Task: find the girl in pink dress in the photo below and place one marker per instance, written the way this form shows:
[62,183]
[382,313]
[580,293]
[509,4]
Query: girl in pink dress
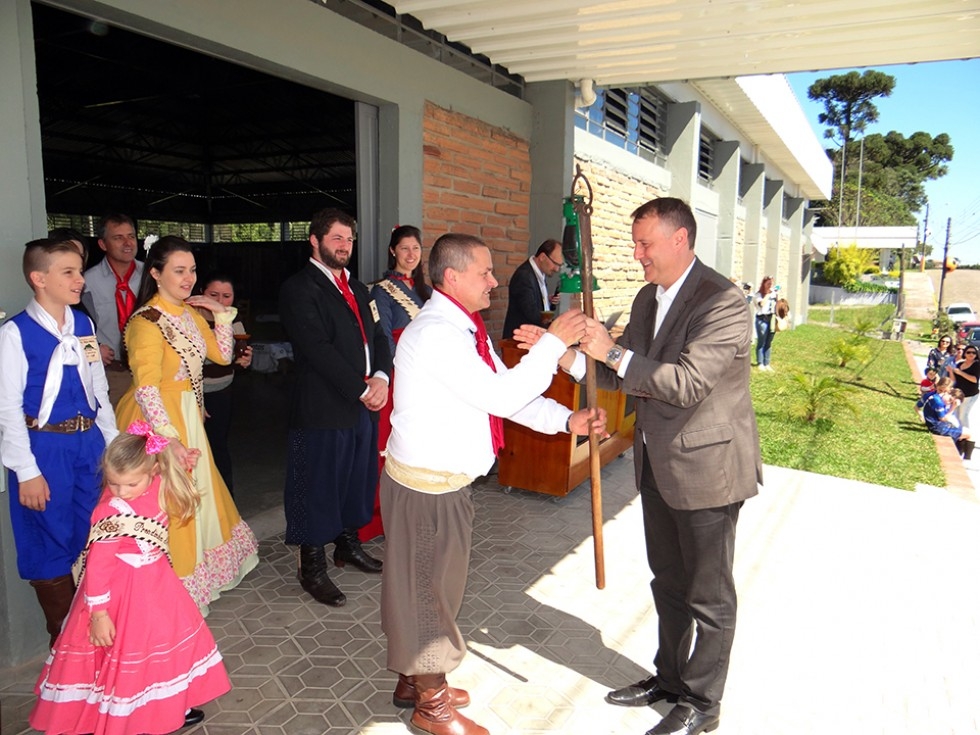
[135,655]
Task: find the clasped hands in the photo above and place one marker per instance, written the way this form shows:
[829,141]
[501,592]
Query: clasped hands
[574,329]
[377,394]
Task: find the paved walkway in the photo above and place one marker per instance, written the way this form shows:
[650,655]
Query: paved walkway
[858,614]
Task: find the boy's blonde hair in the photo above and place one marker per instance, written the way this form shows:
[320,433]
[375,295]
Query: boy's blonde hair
[178,494]
[38,255]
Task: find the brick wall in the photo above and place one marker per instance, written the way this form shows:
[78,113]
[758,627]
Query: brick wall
[615,196]
[477,180]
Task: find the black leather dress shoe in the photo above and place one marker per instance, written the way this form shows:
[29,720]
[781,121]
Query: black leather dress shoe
[348,549]
[193,717]
[685,720]
[641,694]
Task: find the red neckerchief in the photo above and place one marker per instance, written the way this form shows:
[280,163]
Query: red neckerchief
[408,280]
[483,350]
[351,301]
[125,298]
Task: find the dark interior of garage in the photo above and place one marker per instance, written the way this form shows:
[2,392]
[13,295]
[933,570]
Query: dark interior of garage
[233,159]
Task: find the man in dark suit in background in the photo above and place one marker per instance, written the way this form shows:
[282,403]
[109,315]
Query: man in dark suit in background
[341,382]
[685,355]
[527,292]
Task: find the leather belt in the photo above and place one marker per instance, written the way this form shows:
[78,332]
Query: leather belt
[69,426]
[117,366]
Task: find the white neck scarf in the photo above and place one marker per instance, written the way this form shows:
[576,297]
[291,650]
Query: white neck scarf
[68,352]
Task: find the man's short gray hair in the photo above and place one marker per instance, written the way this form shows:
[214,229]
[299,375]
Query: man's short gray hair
[452,250]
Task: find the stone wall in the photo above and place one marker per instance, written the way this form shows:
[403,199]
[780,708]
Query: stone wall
[477,180]
[782,270]
[615,197]
[738,251]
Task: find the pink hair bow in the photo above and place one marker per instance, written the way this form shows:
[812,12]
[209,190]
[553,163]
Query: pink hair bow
[154,442]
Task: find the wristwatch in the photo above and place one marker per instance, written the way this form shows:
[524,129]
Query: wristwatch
[614,355]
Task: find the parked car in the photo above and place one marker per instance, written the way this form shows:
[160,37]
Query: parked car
[965,329]
[971,335]
[961,312]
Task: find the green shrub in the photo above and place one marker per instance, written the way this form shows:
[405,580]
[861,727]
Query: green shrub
[850,350]
[844,265]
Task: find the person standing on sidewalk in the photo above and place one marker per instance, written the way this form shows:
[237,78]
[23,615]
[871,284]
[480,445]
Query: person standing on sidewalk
[966,376]
[342,368]
[451,391]
[685,356]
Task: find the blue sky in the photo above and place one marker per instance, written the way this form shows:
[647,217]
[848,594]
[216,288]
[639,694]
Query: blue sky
[939,97]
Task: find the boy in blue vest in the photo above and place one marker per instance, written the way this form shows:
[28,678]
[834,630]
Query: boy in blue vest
[56,420]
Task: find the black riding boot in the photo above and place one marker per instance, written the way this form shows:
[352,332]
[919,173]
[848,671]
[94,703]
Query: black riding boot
[968,450]
[348,549]
[313,576]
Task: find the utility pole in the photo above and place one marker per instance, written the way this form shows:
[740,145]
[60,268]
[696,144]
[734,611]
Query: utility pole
[942,277]
[857,217]
[925,234]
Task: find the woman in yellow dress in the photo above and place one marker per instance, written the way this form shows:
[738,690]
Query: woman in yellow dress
[166,343]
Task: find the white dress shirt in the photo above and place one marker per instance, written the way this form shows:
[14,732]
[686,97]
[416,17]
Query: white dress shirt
[665,299]
[445,392]
[542,285]
[15,445]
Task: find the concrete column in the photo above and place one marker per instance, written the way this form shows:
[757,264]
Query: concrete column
[682,145]
[794,214]
[772,210]
[552,152]
[753,188]
[22,218]
[727,162]
[809,217]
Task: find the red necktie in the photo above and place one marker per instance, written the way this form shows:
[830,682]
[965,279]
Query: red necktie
[125,298]
[483,350]
[351,301]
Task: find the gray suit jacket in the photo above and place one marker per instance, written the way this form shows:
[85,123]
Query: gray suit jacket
[692,382]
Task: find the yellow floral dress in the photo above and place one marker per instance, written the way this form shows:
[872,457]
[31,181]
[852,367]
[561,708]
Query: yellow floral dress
[167,345]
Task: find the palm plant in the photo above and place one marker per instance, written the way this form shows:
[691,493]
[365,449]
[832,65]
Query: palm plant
[850,350]
[817,398]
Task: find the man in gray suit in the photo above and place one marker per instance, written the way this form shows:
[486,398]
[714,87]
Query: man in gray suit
[685,356]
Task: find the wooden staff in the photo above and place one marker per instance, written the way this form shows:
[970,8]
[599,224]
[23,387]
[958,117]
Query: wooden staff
[583,207]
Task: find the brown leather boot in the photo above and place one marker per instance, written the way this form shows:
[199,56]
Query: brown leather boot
[434,712]
[404,694]
[55,596]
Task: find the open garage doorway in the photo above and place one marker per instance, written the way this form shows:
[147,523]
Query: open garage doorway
[231,158]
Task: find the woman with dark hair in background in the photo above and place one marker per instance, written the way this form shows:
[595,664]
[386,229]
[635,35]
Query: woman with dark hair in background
[764,302]
[218,401]
[398,295]
[167,342]
[938,356]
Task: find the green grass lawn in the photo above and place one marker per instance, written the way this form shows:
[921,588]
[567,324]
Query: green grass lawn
[848,316]
[885,443]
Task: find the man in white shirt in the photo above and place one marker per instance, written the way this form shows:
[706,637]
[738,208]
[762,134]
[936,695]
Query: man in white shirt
[111,289]
[527,292]
[451,391]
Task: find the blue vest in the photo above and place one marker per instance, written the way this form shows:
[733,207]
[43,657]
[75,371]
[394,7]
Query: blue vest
[38,344]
